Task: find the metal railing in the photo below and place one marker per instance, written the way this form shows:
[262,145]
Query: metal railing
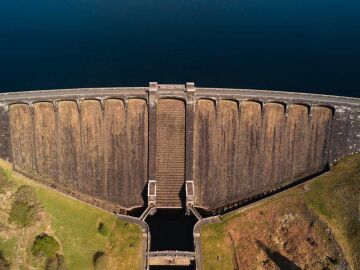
[172,253]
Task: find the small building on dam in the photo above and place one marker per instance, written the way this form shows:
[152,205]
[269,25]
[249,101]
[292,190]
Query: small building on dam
[174,146]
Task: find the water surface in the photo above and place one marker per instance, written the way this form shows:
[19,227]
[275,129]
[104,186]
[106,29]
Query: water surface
[171,230]
[303,45]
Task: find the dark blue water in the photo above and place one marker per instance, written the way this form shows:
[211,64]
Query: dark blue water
[302,45]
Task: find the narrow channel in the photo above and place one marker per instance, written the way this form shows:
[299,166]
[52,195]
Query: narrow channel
[171,230]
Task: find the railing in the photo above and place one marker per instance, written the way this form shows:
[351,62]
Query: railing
[171,257]
[172,253]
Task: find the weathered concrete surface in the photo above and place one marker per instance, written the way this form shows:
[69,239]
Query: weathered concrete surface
[95,141]
[243,149]
[5,144]
[69,145]
[345,133]
[115,150]
[98,150]
[45,143]
[92,148]
[22,137]
[136,153]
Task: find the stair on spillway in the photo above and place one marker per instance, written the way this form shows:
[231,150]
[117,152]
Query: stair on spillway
[170,153]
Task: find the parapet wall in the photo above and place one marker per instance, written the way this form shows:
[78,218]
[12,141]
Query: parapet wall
[101,143]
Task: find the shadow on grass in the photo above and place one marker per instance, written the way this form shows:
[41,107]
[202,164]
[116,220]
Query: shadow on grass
[281,261]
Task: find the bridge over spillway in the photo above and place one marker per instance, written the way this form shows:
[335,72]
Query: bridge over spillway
[171,258]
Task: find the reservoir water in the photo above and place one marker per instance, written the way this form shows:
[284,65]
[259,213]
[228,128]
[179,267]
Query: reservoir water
[304,45]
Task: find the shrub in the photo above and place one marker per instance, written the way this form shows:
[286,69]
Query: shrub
[22,214]
[4,264]
[45,246]
[25,194]
[24,207]
[102,229]
[100,260]
[55,263]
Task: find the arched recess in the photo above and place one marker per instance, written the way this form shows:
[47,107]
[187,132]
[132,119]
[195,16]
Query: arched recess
[45,143]
[22,136]
[69,142]
[204,151]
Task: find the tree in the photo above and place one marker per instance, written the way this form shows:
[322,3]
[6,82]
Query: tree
[45,246]
[24,207]
[100,260]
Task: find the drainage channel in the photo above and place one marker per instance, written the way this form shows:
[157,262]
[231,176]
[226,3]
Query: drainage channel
[171,230]
[172,242]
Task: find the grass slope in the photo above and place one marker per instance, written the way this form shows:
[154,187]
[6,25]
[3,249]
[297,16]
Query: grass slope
[335,197]
[316,220]
[75,225]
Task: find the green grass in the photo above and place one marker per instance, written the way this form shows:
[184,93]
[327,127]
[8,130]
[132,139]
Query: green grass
[75,225]
[334,197]
[8,246]
[215,247]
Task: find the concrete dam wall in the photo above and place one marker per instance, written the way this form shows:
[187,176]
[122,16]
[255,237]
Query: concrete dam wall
[243,149]
[97,151]
[174,145]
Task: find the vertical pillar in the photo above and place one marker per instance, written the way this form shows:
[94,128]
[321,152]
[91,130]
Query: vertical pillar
[33,154]
[190,111]
[5,142]
[152,94]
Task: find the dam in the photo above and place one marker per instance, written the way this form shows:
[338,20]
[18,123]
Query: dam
[171,147]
